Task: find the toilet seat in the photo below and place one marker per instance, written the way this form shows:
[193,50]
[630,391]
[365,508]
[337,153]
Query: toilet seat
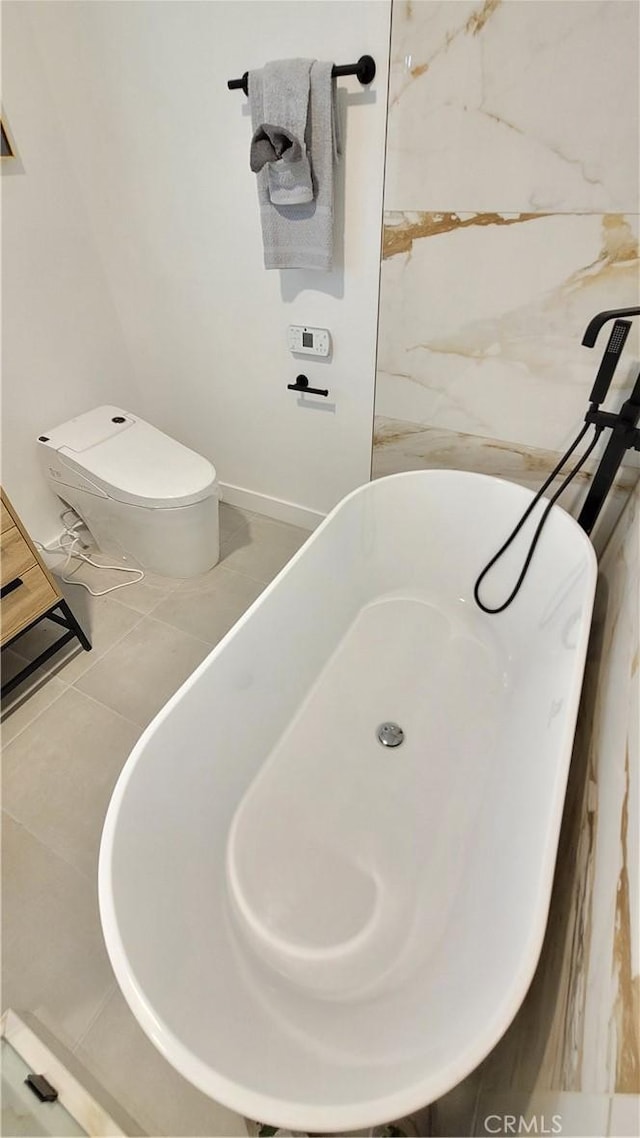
[115,454]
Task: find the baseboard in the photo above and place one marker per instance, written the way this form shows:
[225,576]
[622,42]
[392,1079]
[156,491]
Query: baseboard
[78,1092]
[277,508]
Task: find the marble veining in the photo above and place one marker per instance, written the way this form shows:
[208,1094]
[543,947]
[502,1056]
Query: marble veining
[626,1008]
[402,445]
[469,24]
[401,230]
[520,106]
[482,317]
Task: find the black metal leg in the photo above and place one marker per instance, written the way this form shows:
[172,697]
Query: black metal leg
[73,629]
[75,626]
[33,665]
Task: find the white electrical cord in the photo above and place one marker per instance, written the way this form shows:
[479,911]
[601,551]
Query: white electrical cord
[71,553]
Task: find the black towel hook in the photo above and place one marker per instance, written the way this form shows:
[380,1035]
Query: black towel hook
[364,69]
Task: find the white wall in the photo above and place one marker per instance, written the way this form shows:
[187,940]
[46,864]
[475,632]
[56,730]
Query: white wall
[63,346]
[155,208]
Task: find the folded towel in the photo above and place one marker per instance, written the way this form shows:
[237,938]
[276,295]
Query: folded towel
[286,104]
[270,144]
[301,236]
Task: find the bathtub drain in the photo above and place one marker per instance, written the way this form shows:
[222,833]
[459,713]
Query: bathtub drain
[390,734]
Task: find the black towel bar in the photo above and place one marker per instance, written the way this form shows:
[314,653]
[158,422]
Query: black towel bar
[365,69]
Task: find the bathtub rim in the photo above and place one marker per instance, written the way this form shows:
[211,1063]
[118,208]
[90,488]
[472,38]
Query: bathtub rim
[411,1097]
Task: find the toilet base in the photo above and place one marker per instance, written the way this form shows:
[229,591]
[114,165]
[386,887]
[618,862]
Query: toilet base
[180,542]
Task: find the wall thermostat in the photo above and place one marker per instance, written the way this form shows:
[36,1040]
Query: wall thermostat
[306,341]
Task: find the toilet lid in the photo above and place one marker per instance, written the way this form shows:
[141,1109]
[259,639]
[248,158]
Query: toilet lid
[133,462]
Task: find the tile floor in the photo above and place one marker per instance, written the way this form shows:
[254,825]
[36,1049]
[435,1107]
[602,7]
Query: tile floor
[66,734]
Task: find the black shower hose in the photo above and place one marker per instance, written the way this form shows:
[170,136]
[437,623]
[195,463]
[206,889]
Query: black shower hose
[514,533]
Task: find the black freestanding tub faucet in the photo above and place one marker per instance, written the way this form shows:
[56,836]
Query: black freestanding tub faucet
[624,424]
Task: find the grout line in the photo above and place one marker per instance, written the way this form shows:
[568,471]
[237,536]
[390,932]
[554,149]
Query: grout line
[140,727]
[234,573]
[127,608]
[49,848]
[85,695]
[101,655]
[609,1114]
[71,687]
[158,602]
[175,628]
[72,684]
[476,1106]
[173,583]
[262,580]
[198,640]
[229,531]
[101,1007]
[213,643]
[107,707]
[34,718]
[265,539]
[61,664]
[54,667]
[259,580]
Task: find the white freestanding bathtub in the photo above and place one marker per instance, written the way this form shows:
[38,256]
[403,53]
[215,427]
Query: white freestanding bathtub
[317,930]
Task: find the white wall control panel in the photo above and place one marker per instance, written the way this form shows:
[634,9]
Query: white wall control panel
[306,341]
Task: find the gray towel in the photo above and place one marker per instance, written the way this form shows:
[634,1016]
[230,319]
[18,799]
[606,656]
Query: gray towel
[301,236]
[286,105]
[272,144]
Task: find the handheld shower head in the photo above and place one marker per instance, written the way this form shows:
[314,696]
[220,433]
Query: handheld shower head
[609,361]
[594,326]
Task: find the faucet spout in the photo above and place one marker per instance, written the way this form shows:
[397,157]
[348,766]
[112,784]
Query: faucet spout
[594,326]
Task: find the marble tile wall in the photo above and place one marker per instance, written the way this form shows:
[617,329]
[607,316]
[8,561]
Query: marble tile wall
[517,105]
[482,317]
[401,445]
[511,215]
[511,218]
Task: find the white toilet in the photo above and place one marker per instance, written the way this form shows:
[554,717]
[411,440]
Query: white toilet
[138,491]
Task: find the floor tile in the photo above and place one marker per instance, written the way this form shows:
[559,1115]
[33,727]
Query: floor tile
[261,548]
[105,621]
[209,605]
[25,649]
[59,773]
[140,673]
[231,518]
[27,701]
[624,1119]
[54,961]
[12,663]
[141,596]
[119,1055]
[66,735]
